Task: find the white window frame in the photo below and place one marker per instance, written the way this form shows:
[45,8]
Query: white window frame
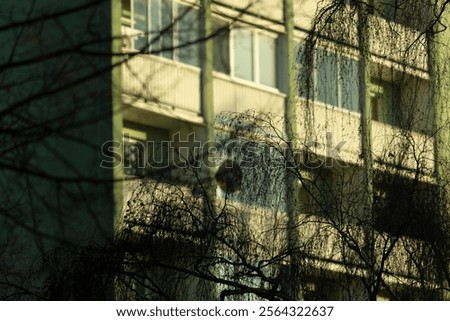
[315,83]
[175,41]
[255,57]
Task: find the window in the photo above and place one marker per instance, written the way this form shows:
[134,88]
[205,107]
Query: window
[165,28]
[327,77]
[144,148]
[349,83]
[171,29]
[153,20]
[305,76]
[323,194]
[406,207]
[254,56]
[188,35]
[244,53]
[126,9]
[267,63]
[384,101]
[221,46]
[133,156]
[161,28]
[384,8]
[140,23]
[334,81]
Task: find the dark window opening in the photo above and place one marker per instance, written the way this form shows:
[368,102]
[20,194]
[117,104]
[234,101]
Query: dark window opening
[406,207]
[385,102]
[145,149]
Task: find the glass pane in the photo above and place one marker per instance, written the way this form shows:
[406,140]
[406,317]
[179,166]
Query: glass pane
[376,104]
[267,63]
[327,91]
[155,35]
[221,47]
[126,8]
[140,14]
[141,24]
[349,83]
[166,29]
[188,33]
[386,8]
[304,72]
[243,53]
[144,148]
[133,157]
[161,28]
[158,145]
[384,102]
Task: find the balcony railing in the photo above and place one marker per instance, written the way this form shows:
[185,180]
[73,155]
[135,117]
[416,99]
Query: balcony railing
[398,43]
[160,81]
[390,145]
[237,96]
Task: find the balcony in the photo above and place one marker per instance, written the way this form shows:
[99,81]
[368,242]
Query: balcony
[235,95]
[168,84]
[391,145]
[397,43]
[162,82]
[393,44]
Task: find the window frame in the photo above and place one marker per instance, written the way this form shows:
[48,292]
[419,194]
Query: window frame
[133,142]
[173,53]
[176,20]
[256,72]
[390,100]
[257,35]
[146,136]
[419,219]
[219,23]
[339,76]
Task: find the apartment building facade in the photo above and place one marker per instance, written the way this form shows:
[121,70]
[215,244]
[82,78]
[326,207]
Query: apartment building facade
[356,89]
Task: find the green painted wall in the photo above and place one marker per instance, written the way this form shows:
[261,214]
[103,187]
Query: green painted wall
[56,110]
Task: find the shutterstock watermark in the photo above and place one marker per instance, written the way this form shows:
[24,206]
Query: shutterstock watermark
[190,152]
